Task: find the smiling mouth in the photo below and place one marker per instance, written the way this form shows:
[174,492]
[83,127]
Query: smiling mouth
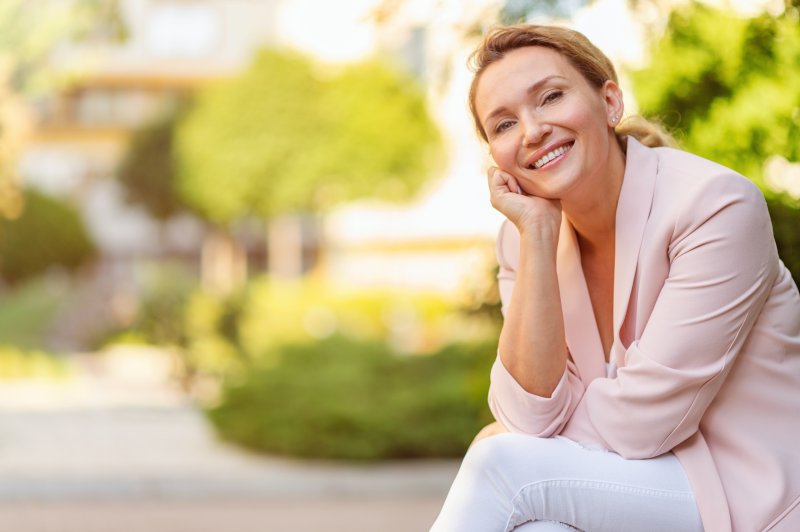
[545,159]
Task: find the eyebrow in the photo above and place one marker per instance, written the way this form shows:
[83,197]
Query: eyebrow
[530,90]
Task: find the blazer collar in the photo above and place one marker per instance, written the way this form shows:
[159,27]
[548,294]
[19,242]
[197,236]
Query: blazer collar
[633,209]
[580,327]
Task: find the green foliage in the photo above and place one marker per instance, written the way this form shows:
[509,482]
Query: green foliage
[27,311]
[357,400]
[147,171]
[48,233]
[285,138]
[305,368]
[16,363]
[690,66]
[785,222]
[278,312]
[212,336]
[224,335]
[735,100]
[381,141]
[198,326]
[29,31]
[240,136]
[166,292]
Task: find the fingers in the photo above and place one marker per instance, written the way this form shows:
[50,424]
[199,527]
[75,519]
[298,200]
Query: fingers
[498,178]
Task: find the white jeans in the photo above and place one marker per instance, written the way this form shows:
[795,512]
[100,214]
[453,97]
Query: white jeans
[527,484]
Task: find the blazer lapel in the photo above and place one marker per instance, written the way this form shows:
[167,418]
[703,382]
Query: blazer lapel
[580,327]
[633,210]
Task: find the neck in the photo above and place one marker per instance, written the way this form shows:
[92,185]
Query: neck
[592,211]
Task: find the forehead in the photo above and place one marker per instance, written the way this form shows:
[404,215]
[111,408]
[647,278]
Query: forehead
[520,68]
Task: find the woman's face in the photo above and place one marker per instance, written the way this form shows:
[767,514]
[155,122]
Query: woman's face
[546,125]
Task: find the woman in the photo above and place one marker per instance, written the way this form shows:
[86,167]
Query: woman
[648,370]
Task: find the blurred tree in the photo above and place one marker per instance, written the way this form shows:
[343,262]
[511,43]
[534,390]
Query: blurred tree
[147,170]
[285,137]
[48,233]
[737,100]
[29,32]
[289,137]
[734,100]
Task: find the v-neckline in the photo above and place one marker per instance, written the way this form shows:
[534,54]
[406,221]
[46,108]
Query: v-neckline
[633,210]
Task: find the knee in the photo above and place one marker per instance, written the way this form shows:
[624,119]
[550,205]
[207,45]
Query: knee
[495,448]
[497,459]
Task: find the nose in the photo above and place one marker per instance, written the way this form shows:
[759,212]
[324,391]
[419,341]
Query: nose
[534,130]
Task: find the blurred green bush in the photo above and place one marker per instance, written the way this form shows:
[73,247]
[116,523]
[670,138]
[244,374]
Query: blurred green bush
[306,368]
[48,233]
[305,311]
[786,225]
[166,290]
[212,325]
[221,336]
[355,399]
[17,363]
[27,310]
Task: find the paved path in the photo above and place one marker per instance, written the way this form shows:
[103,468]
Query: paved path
[119,449]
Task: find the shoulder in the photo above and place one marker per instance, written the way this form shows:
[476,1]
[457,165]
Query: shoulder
[692,189]
[685,177]
[701,201]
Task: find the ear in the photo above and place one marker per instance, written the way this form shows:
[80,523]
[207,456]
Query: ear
[615,107]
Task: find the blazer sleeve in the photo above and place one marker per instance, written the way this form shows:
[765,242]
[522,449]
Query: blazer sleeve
[513,406]
[723,263]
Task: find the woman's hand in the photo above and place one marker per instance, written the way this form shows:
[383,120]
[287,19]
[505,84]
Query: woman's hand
[532,344]
[534,216]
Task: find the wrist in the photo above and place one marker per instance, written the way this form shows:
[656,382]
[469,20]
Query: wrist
[539,235]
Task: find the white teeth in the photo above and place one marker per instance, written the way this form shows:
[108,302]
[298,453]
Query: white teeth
[551,155]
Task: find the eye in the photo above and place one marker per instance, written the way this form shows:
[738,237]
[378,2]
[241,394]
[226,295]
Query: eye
[553,96]
[503,125]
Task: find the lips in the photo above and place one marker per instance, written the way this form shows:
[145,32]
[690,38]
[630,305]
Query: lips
[539,160]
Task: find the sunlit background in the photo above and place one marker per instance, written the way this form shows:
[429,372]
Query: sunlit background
[246,249]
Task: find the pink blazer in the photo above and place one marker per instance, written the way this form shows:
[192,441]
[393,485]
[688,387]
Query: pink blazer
[706,339]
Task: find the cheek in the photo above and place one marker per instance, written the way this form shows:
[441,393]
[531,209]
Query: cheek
[580,118]
[501,153]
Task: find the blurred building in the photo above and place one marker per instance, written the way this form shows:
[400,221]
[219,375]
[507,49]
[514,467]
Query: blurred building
[175,46]
[171,48]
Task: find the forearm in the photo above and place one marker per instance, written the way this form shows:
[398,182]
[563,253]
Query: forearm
[532,343]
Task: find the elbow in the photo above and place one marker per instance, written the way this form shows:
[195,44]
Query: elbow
[526,413]
[530,424]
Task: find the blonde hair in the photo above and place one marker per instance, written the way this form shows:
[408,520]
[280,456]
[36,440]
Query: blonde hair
[584,56]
